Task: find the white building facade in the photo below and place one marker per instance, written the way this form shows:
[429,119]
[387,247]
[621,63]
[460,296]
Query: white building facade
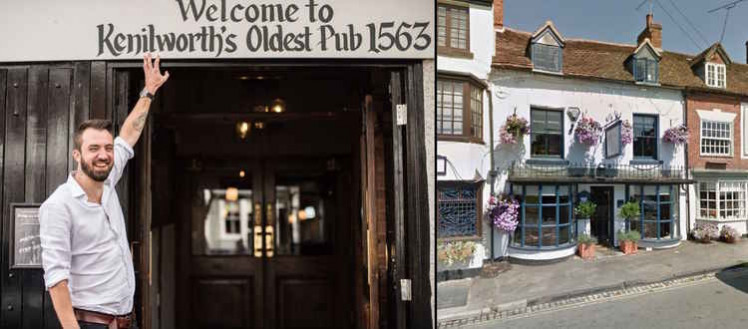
[465,50]
[556,84]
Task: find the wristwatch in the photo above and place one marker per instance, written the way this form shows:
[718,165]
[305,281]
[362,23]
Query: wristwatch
[146,93]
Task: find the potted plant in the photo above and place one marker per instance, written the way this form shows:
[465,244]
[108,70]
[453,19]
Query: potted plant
[588,131]
[514,129]
[677,135]
[586,247]
[504,214]
[629,211]
[705,232]
[584,212]
[628,241]
[729,234]
[455,254]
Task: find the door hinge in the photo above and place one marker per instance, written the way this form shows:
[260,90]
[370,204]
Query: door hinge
[405,289]
[402,114]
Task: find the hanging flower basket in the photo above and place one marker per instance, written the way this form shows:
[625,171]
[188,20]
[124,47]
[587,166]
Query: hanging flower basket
[677,135]
[504,212]
[514,129]
[627,133]
[588,131]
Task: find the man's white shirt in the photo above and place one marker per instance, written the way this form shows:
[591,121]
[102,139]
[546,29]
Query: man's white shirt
[86,243]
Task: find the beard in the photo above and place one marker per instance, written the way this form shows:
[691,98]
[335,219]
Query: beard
[98,175]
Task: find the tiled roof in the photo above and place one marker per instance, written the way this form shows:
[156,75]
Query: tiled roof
[600,60]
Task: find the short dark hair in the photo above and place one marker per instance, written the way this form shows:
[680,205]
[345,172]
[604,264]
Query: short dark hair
[97,124]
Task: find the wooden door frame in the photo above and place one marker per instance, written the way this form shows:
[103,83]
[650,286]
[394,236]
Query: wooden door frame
[415,223]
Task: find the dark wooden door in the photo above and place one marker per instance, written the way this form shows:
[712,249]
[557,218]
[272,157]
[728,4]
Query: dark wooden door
[601,223]
[264,245]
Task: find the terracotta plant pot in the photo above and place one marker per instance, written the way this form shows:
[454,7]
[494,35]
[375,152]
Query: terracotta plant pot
[629,247]
[586,251]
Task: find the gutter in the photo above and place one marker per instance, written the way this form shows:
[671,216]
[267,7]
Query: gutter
[492,171]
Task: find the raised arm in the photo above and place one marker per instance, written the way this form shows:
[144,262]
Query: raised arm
[135,122]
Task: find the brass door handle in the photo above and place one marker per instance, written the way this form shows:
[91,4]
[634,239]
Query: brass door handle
[258,240]
[269,241]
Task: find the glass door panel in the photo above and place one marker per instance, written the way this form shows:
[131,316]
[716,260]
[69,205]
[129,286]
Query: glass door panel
[303,223]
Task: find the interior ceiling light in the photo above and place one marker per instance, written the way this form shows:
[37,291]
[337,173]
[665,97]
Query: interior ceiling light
[279,106]
[241,174]
[243,77]
[259,125]
[242,129]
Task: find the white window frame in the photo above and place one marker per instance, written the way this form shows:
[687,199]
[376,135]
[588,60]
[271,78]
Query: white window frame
[739,203]
[730,139]
[714,80]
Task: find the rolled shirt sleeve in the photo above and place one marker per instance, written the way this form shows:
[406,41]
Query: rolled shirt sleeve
[123,152]
[54,232]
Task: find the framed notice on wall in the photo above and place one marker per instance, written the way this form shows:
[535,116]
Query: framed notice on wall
[25,245]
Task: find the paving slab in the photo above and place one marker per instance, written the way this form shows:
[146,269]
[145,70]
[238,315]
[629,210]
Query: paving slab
[523,283]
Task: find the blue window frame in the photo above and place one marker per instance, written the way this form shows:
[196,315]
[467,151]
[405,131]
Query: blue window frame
[459,209]
[546,217]
[546,57]
[646,70]
[658,220]
[546,133]
[646,131]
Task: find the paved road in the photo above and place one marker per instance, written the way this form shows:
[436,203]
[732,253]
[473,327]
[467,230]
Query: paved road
[716,303]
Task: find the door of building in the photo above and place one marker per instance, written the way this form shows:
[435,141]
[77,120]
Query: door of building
[601,223]
[265,245]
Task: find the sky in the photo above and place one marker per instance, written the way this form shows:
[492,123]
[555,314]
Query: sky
[618,21]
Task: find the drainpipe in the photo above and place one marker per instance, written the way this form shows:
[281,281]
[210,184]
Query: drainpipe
[685,150]
[492,171]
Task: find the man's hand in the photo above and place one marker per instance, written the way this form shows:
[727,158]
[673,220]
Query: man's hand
[153,77]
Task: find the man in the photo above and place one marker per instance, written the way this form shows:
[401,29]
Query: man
[88,267]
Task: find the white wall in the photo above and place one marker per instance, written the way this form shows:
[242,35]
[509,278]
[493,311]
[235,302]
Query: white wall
[521,90]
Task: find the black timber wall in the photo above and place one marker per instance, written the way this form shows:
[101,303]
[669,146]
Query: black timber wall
[40,106]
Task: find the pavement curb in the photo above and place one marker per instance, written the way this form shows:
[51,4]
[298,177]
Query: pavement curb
[526,306]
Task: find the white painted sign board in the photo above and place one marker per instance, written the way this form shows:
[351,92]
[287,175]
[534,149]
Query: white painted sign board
[54,30]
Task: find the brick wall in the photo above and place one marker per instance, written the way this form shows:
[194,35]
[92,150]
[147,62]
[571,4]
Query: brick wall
[708,102]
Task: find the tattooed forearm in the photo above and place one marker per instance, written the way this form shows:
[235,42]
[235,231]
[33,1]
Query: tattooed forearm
[135,122]
[140,122]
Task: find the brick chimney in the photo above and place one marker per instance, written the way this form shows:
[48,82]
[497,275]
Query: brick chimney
[498,14]
[653,32]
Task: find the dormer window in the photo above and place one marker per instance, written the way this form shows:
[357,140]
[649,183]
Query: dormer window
[646,70]
[546,58]
[546,49]
[645,64]
[716,75]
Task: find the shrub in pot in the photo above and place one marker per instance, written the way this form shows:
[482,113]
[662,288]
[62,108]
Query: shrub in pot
[729,234]
[630,210]
[586,246]
[585,210]
[628,241]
